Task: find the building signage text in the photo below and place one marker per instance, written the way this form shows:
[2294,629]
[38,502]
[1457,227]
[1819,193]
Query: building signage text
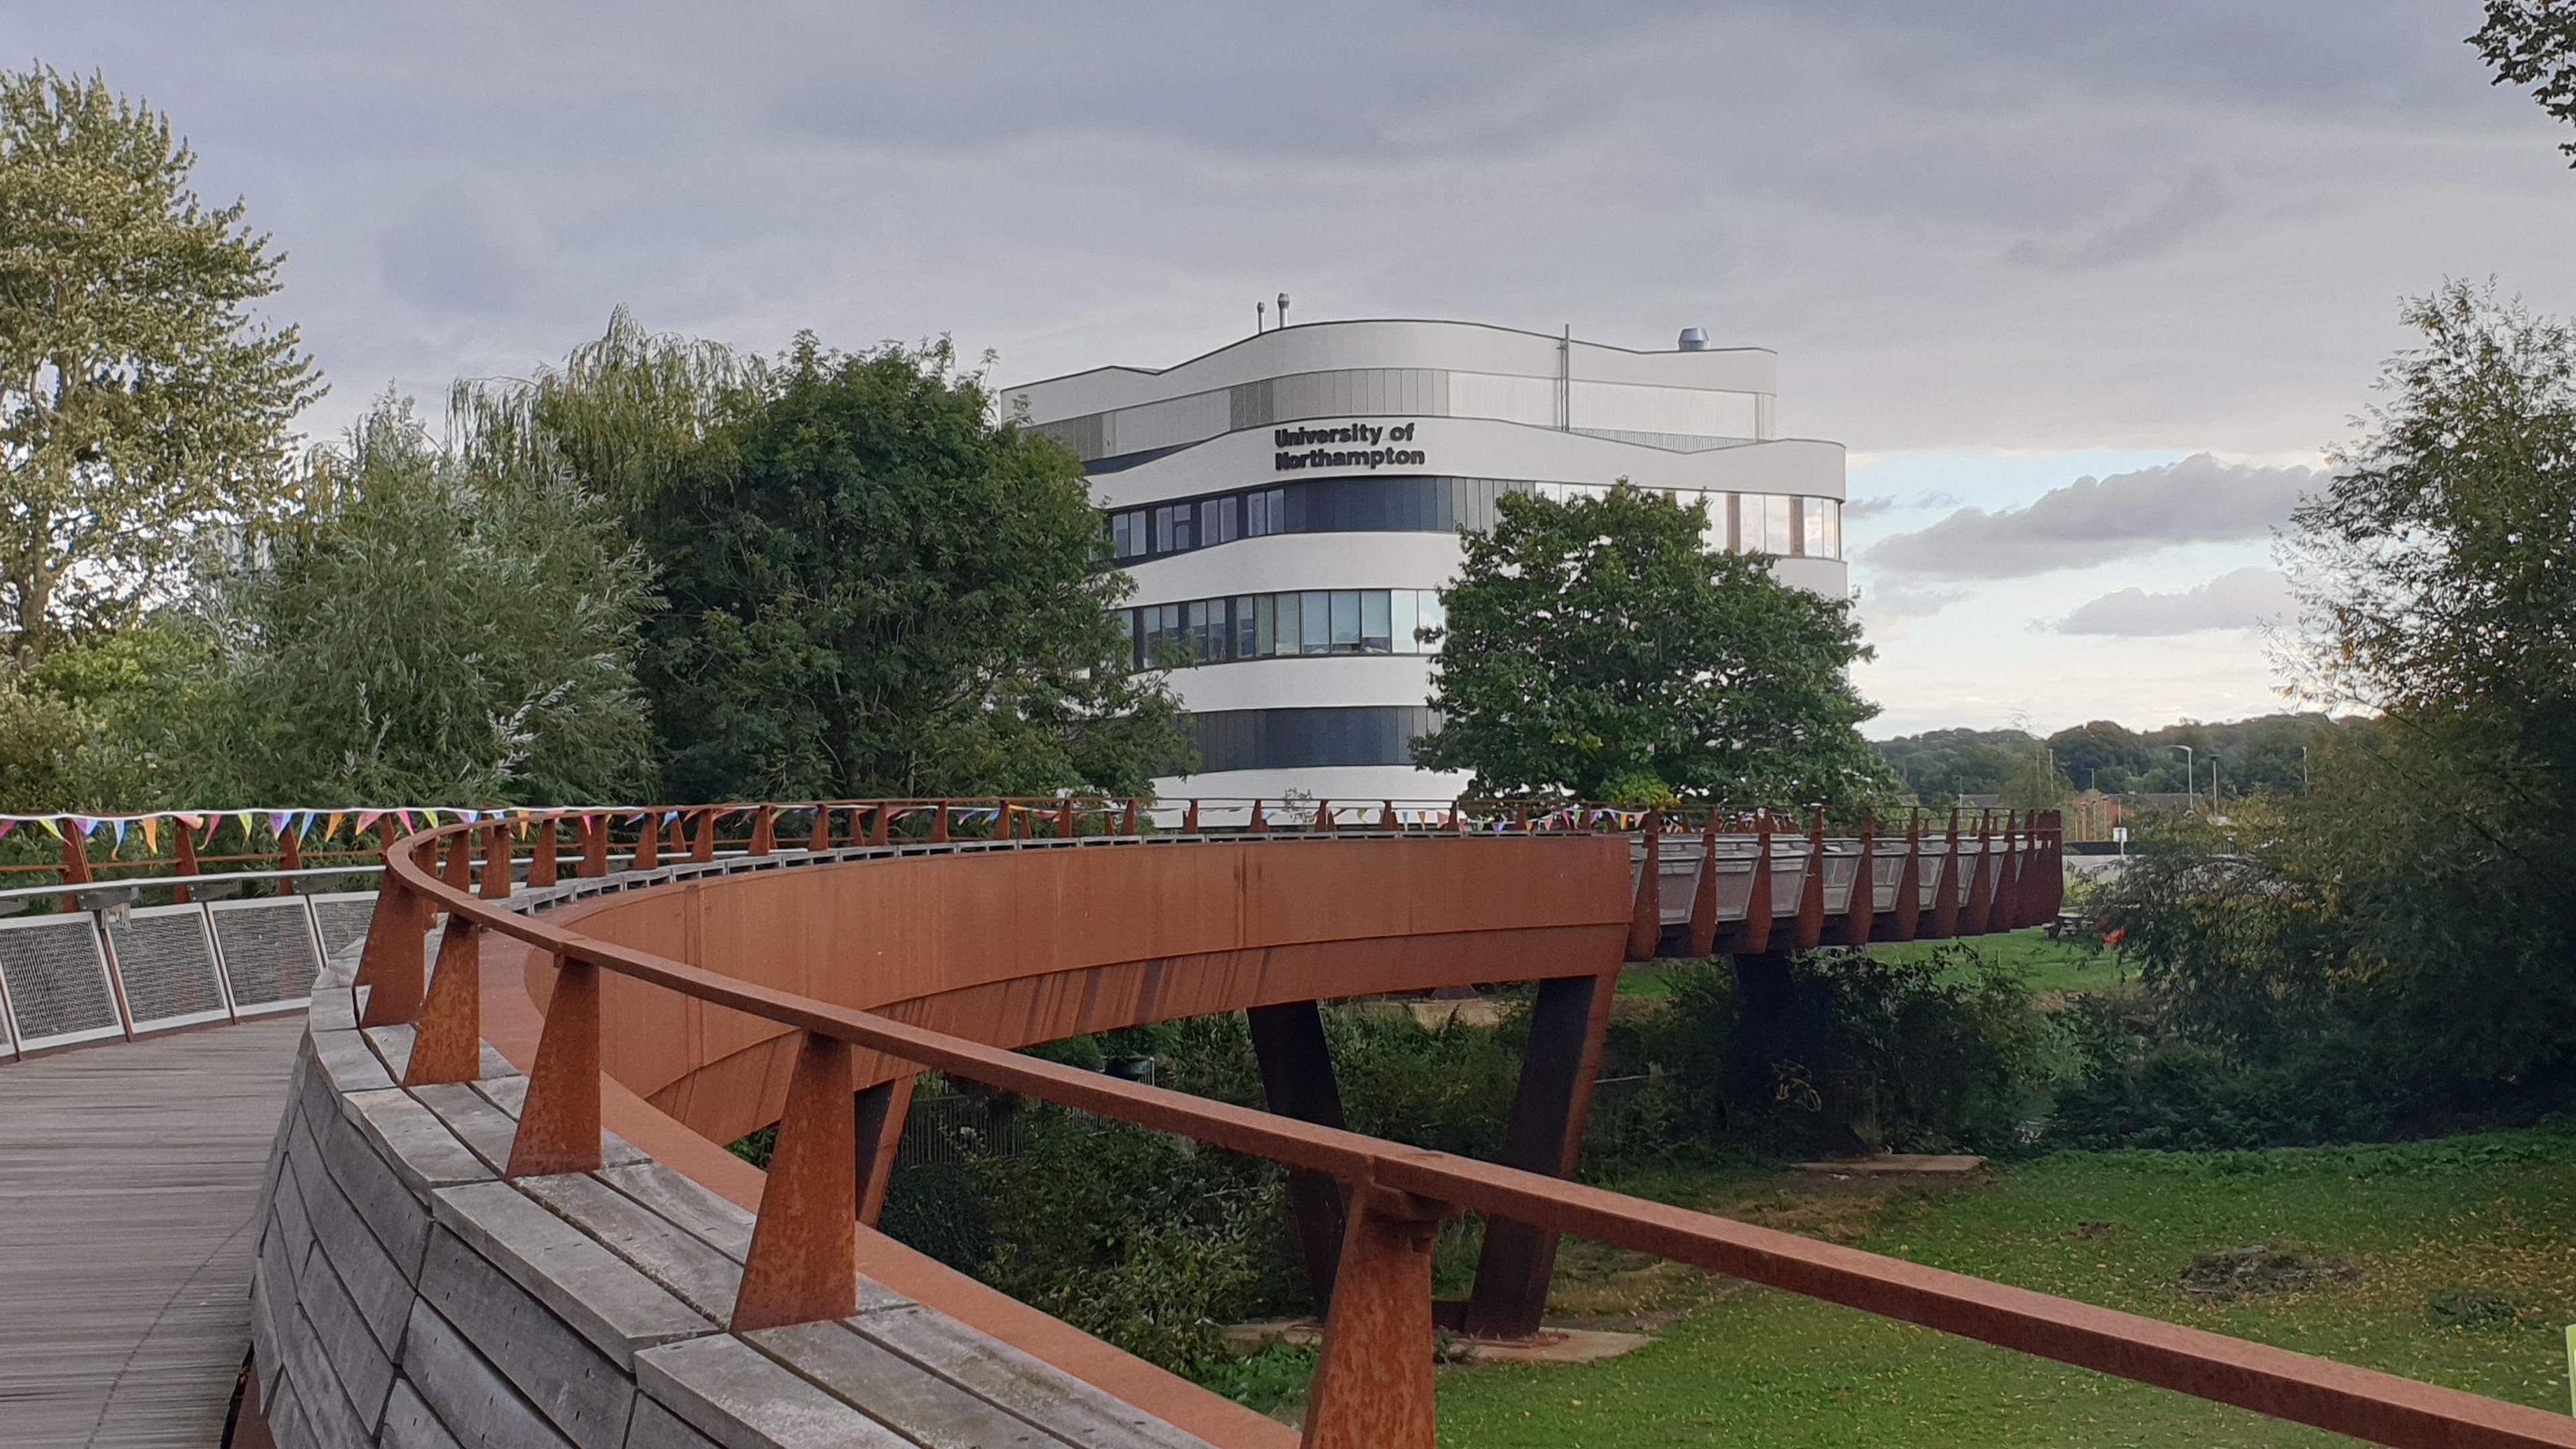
[1349,445]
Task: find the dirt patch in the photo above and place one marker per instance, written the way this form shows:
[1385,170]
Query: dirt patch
[2227,1273]
[2092,1228]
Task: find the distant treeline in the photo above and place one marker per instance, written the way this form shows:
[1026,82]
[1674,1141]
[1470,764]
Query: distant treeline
[2254,756]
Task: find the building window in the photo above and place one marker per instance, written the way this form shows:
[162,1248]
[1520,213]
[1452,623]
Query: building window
[1289,739]
[1315,623]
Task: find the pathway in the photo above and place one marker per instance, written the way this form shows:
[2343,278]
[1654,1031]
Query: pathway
[128,1175]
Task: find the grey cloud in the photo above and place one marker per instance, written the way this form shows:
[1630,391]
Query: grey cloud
[1871,507]
[2245,599]
[1080,185]
[2198,500]
[2193,207]
[1887,598]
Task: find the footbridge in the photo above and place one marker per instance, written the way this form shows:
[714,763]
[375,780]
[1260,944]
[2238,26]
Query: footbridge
[497,1208]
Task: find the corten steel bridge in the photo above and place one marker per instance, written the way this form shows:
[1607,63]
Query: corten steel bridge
[683,1005]
[545,1015]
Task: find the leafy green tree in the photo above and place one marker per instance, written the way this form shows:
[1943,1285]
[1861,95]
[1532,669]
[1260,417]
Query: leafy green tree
[433,631]
[2533,43]
[1600,642]
[2089,749]
[620,417]
[876,590]
[1938,765]
[2036,782]
[2410,918]
[140,406]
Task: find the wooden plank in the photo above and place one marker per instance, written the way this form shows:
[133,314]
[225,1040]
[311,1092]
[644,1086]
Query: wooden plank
[128,1174]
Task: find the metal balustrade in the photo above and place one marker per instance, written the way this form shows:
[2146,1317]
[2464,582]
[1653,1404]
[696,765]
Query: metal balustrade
[110,968]
[1373,1384]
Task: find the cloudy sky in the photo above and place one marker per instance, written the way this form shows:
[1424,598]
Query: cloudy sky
[2087,289]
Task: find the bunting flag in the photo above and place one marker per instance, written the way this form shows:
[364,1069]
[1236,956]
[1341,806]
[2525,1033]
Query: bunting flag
[117,841]
[50,828]
[151,834]
[367,819]
[5,827]
[331,831]
[244,818]
[278,820]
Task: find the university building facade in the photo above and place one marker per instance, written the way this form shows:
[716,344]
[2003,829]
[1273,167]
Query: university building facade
[1290,504]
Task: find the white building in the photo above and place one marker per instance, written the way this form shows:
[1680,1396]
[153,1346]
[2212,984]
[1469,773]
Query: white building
[1288,503]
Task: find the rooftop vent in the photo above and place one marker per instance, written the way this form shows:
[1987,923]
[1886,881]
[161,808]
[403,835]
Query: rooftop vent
[1694,340]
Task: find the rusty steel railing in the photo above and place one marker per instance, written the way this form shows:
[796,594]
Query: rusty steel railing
[1373,1383]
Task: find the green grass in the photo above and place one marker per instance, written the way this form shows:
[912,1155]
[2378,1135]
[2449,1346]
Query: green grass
[2484,1219]
[2073,964]
[2069,965]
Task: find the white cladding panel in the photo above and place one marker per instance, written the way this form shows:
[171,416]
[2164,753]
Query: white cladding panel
[1635,409]
[1326,346]
[1300,561]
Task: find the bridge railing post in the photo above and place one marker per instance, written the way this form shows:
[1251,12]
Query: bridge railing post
[187,853]
[1646,918]
[447,1046]
[391,966]
[559,1124]
[495,884]
[542,863]
[1373,1380]
[804,1260]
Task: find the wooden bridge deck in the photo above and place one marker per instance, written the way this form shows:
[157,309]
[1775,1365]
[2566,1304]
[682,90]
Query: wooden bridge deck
[128,1176]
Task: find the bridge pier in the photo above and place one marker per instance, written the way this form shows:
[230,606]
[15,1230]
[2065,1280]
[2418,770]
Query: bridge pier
[1297,1081]
[1568,1023]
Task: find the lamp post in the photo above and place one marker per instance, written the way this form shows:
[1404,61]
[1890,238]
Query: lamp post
[2190,779]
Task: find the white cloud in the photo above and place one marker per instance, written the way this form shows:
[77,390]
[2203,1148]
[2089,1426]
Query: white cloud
[2247,598]
[2197,500]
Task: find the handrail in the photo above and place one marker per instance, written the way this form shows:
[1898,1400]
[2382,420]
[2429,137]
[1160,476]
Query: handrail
[1373,1378]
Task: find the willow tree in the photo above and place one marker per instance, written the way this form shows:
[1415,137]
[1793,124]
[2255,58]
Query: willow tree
[141,405]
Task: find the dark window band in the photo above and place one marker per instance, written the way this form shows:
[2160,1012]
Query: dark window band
[1402,504]
[1300,739]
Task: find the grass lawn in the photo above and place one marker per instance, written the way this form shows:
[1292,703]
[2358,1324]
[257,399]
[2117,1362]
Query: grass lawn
[2063,966]
[2452,1261]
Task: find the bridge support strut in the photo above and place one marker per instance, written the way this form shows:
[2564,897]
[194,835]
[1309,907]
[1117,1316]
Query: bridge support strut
[1297,1081]
[1568,1022]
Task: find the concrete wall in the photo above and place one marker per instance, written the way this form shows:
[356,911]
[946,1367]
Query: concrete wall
[404,1296]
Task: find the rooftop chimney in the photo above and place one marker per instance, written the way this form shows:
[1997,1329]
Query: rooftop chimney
[1694,340]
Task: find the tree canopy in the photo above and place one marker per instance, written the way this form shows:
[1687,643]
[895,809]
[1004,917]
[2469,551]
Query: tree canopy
[439,627]
[1600,647]
[2411,916]
[2533,43]
[875,589]
[140,405]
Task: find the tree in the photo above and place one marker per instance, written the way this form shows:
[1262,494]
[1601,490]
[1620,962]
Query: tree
[875,590]
[2533,43]
[620,416]
[1940,764]
[2410,915]
[2036,783]
[140,407]
[2090,749]
[1599,647]
[434,631]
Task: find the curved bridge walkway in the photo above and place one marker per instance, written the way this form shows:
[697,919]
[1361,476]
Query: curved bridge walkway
[128,1176]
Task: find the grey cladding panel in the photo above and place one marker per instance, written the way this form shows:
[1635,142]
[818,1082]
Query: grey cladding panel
[343,920]
[167,961]
[269,954]
[57,980]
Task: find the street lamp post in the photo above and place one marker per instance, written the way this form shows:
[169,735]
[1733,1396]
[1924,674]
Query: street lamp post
[2190,779]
